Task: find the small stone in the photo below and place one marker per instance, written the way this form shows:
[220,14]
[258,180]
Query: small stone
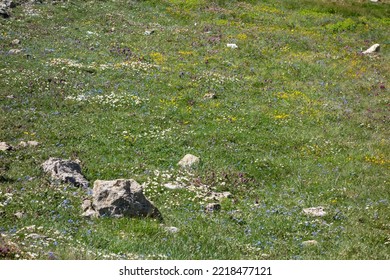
[232,46]
[24,144]
[149,32]
[172,229]
[173,186]
[10,96]
[212,207]
[87,204]
[315,211]
[19,215]
[89,213]
[188,161]
[373,49]
[29,228]
[14,51]
[32,143]
[219,196]
[5,147]
[15,42]
[310,243]
[35,236]
[210,95]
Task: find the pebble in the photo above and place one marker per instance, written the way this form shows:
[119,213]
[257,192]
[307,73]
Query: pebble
[149,32]
[210,95]
[232,46]
[14,51]
[212,207]
[310,243]
[15,42]
[315,211]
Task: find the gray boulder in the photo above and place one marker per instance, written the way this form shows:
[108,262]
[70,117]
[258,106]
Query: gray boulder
[67,171]
[119,198]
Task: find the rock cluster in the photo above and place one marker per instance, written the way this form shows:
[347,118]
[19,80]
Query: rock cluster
[121,197]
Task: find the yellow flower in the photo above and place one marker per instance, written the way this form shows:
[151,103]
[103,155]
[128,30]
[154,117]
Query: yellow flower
[157,57]
[281,116]
[242,36]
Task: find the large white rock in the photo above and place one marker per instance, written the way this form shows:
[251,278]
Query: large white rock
[119,198]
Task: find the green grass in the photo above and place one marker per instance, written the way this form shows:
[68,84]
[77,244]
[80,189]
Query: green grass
[300,120]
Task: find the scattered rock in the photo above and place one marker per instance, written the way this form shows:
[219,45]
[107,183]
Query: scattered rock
[310,243]
[149,32]
[232,46]
[119,198]
[219,196]
[373,49]
[66,171]
[27,228]
[8,249]
[15,42]
[86,204]
[375,1]
[10,96]
[172,229]
[188,161]
[14,51]
[5,147]
[212,207]
[173,186]
[89,213]
[210,95]
[24,144]
[315,211]
[19,215]
[35,236]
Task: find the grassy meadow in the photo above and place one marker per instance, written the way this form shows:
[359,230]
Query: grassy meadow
[292,116]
